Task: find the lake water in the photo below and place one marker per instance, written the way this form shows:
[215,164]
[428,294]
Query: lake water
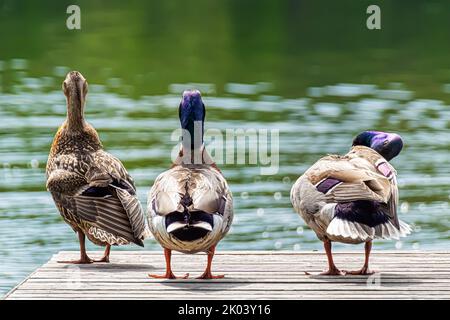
[318,76]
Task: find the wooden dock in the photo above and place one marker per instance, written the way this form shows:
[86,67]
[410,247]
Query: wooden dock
[249,275]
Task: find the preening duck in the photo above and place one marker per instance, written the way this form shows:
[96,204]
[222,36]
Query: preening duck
[92,190]
[353,198]
[190,205]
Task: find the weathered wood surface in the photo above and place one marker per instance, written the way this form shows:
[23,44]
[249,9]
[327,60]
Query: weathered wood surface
[249,275]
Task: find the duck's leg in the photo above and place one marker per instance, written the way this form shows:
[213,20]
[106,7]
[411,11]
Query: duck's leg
[365,269]
[105,257]
[169,274]
[332,269]
[207,274]
[84,259]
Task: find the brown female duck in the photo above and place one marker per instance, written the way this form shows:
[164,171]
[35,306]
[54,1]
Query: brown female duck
[92,190]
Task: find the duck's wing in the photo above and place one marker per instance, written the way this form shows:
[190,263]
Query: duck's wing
[367,159]
[109,201]
[344,180]
[365,195]
[210,194]
[167,192]
[193,189]
[104,164]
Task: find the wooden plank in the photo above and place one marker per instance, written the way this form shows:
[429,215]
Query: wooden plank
[63,287]
[249,275]
[278,253]
[233,295]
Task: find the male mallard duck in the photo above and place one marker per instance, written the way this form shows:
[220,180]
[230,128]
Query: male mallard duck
[91,189]
[353,198]
[190,206]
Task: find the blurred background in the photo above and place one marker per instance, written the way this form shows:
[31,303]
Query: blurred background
[308,68]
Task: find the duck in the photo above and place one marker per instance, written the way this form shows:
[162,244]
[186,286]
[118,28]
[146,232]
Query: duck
[190,206]
[91,188]
[353,198]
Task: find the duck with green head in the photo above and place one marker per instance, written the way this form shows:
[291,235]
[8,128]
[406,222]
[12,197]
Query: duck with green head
[190,206]
[353,198]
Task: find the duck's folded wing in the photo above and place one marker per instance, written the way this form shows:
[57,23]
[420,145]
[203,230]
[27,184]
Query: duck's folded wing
[104,166]
[358,190]
[209,192]
[110,201]
[345,182]
[167,192]
[135,213]
[391,207]
[213,196]
[177,190]
[200,190]
[104,212]
[370,160]
[349,182]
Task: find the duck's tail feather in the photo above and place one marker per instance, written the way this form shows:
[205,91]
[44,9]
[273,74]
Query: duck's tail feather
[359,231]
[349,229]
[389,231]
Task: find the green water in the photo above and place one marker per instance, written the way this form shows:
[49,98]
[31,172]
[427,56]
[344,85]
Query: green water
[310,69]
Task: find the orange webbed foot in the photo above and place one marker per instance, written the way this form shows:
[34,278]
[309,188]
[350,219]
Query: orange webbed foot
[168,276]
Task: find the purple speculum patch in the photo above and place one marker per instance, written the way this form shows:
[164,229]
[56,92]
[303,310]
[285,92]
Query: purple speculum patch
[384,169]
[327,184]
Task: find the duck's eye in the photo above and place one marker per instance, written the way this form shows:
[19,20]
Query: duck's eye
[64,86]
[385,142]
